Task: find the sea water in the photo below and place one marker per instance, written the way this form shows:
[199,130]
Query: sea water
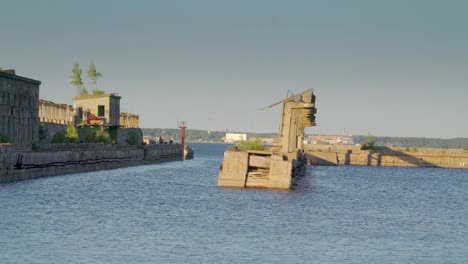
[175,213]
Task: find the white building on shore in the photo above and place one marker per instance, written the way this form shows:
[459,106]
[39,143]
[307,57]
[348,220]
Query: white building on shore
[234,137]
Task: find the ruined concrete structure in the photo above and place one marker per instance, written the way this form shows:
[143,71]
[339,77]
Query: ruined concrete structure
[129,120]
[19,102]
[21,111]
[50,112]
[98,109]
[278,167]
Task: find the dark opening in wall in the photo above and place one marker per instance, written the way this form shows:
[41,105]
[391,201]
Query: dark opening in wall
[100,110]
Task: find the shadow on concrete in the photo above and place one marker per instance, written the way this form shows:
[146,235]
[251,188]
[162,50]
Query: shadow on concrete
[405,157]
[374,157]
[313,160]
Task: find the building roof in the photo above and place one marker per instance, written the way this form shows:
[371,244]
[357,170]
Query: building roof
[17,77]
[91,96]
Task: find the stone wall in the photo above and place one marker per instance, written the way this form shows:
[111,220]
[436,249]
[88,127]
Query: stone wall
[21,163]
[19,102]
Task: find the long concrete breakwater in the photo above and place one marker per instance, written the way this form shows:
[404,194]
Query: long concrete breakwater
[387,156]
[22,163]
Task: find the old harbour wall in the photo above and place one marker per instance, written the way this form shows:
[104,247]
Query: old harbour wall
[21,162]
[386,156]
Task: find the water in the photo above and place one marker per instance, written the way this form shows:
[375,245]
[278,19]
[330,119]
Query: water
[174,213]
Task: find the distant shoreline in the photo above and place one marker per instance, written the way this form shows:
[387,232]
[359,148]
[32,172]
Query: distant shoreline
[208,142]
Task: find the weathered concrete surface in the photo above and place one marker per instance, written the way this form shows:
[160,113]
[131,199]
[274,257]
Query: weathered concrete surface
[19,103]
[387,156]
[233,171]
[280,172]
[21,163]
[260,169]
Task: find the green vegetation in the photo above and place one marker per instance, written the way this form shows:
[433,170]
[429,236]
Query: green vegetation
[369,144]
[254,143]
[68,136]
[77,81]
[96,135]
[4,138]
[59,137]
[35,146]
[85,134]
[98,92]
[42,132]
[94,75]
[132,138]
[71,134]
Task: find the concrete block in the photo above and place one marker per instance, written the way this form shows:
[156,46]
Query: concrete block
[233,171]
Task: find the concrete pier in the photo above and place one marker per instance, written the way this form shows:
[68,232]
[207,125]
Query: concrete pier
[278,167]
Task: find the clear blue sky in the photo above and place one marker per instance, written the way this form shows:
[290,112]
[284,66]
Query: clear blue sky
[392,68]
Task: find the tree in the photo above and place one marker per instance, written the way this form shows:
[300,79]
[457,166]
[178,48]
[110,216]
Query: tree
[77,81]
[132,138]
[94,75]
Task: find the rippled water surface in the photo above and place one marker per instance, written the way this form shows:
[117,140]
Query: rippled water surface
[174,213]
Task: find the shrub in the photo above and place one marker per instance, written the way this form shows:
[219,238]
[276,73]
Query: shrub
[71,135]
[98,92]
[35,146]
[59,137]
[98,137]
[68,136]
[132,138]
[103,137]
[254,143]
[4,138]
[42,132]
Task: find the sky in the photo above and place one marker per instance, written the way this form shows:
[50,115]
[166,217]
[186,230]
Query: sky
[389,68]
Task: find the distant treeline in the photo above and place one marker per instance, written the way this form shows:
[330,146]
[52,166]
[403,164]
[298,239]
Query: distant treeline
[191,134]
[217,136]
[457,143]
